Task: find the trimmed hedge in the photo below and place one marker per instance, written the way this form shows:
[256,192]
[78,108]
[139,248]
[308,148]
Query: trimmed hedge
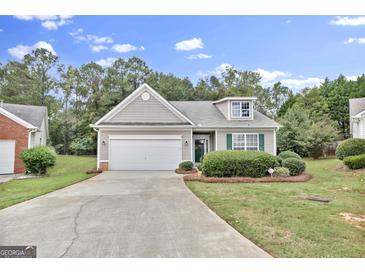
[281,172]
[355,162]
[350,147]
[288,154]
[295,166]
[230,163]
[38,159]
[186,165]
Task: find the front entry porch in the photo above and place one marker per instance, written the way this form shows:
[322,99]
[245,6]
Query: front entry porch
[203,143]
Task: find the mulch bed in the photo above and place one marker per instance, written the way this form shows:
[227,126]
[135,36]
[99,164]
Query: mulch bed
[267,179]
[183,171]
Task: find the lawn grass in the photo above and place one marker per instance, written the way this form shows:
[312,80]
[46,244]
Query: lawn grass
[67,171]
[278,218]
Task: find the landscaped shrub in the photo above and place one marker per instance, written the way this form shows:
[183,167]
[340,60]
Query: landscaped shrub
[350,147]
[281,172]
[231,163]
[38,159]
[186,165]
[295,166]
[288,154]
[355,162]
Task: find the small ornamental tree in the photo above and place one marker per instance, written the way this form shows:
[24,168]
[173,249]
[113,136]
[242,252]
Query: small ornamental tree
[292,135]
[38,159]
[320,134]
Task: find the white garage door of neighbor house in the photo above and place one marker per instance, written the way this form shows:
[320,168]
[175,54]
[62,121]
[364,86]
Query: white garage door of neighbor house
[7,156]
[145,153]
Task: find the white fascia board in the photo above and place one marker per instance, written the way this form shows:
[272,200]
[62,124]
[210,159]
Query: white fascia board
[234,98]
[144,137]
[133,95]
[16,119]
[359,115]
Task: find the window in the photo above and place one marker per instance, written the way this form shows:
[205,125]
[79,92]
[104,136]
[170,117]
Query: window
[240,109]
[242,141]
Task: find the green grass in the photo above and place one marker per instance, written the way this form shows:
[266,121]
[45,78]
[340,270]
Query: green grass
[67,171]
[278,218]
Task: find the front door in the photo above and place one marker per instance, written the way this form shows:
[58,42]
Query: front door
[201,146]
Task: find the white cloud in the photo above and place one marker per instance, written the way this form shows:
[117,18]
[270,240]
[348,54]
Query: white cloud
[348,21]
[288,21]
[352,77]
[1,30]
[298,84]
[222,68]
[199,56]
[268,76]
[360,40]
[79,36]
[107,62]
[186,45]
[50,22]
[20,50]
[98,48]
[99,39]
[123,48]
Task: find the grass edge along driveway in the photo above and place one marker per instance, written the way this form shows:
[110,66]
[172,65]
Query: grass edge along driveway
[67,171]
[279,219]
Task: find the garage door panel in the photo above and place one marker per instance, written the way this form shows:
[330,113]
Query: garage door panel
[7,156]
[144,154]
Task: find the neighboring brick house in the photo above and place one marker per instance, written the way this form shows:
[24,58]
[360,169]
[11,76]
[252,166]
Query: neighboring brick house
[21,127]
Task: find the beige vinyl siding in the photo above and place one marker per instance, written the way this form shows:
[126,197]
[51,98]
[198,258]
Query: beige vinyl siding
[146,111]
[269,138]
[186,136]
[223,108]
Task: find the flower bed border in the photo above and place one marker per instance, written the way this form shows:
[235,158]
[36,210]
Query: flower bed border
[183,171]
[305,177]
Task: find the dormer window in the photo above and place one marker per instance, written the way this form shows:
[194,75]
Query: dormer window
[241,109]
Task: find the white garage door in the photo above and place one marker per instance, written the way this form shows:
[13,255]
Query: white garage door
[7,156]
[144,152]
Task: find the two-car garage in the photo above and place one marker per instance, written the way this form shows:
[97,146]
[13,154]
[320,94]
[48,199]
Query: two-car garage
[144,152]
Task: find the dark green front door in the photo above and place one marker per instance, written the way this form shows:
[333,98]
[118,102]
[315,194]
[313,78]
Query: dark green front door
[199,149]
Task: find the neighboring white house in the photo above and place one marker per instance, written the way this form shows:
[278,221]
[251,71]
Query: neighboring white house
[357,117]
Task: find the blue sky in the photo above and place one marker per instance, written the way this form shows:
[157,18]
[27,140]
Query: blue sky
[298,50]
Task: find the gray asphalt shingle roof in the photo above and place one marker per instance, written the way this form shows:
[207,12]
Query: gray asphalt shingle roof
[31,114]
[206,114]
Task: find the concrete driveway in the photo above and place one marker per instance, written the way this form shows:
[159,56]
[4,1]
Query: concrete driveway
[123,214]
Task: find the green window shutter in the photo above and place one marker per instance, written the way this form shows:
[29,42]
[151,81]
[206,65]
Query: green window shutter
[262,142]
[229,141]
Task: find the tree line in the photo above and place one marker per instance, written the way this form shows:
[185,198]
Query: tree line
[78,96]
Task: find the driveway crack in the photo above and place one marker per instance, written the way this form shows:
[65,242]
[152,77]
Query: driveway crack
[76,224]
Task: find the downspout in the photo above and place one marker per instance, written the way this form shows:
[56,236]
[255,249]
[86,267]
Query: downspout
[97,148]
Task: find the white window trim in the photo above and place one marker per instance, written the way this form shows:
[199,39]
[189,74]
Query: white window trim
[250,117]
[245,134]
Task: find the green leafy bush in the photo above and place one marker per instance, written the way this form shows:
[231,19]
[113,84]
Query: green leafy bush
[289,154]
[38,159]
[350,147]
[186,165]
[231,163]
[355,162]
[281,172]
[295,166]
[83,146]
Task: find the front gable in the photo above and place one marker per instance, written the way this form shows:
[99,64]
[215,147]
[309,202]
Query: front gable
[144,107]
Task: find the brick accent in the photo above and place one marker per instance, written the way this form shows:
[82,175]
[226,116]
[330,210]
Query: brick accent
[104,166]
[11,130]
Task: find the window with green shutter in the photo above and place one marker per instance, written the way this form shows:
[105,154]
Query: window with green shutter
[262,142]
[229,141]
